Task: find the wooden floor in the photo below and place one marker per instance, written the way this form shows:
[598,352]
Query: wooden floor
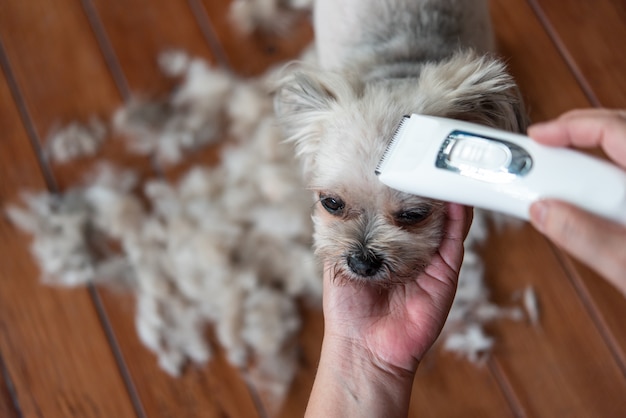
[74,353]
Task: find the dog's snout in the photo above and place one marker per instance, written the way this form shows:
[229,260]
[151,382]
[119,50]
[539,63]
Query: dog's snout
[365,265]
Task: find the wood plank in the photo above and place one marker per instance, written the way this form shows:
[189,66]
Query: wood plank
[593,33]
[62,75]
[549,368]
[8,407]
[140,30]
[52,343]
[606,305]
[548,86]
[141,26]
[218,389]
[602,24]
[449,386]
[252,54]
[138,36]
[214,390]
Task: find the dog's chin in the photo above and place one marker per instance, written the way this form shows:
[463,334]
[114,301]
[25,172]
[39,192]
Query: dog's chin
[341,274]
[399,265]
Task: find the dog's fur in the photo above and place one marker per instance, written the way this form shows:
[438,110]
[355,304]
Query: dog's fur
[379,60]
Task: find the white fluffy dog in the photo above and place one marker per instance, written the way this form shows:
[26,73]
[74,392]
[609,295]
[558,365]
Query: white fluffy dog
[380,60]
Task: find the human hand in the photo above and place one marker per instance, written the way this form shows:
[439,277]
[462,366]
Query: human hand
[394,327]
[597,242]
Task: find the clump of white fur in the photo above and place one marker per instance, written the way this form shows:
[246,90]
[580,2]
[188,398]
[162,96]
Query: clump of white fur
[76,140]
[228,246]
[189,118]
[464,332]
[267,15]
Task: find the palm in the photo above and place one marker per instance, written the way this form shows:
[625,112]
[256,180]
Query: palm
[398,325]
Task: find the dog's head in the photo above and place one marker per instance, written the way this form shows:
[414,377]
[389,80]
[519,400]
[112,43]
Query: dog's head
[341,126]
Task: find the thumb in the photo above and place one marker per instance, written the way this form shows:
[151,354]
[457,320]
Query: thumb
[597,242]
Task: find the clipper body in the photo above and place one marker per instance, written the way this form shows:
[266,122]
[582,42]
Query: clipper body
[475,165]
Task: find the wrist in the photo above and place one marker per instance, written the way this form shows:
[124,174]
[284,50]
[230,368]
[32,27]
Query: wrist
[352,382]
[350,355]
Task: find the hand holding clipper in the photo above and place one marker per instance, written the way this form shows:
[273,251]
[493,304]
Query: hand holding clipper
[475,165]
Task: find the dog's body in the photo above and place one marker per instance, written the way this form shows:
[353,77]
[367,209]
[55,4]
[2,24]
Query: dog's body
[389,36]
[381,59]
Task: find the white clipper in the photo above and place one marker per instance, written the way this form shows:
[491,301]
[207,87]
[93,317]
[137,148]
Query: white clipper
[474,165]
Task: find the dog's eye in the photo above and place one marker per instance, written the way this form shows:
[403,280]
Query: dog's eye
[332,205]
[412,217]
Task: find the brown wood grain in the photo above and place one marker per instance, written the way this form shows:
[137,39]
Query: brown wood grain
[545,80]
[216,389]
[134,25]
[8,404]
[449,386]
[84,57]
[550,366]
[606,305]
[62,76]
[592,34]
[252,54]
[52,343]
[140,30]
[547,366]
[212,390]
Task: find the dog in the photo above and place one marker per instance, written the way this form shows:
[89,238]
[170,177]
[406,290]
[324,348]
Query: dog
[377,61]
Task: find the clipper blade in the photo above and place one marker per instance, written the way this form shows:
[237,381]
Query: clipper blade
[392,143]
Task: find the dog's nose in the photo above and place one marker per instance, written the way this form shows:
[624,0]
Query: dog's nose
[365,265]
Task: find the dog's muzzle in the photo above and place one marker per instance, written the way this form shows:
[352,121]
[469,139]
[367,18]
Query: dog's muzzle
[365,265]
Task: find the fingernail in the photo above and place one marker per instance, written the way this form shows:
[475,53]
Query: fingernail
[538,213]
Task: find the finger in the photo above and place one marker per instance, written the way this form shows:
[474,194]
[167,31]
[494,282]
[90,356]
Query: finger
[591,112]
[459,219]
[580,115]
[599,243]
[586,128]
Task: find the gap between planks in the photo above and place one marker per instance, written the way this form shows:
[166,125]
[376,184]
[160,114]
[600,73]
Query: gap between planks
[106,48]
[52,187]
[565,54]
[572,273]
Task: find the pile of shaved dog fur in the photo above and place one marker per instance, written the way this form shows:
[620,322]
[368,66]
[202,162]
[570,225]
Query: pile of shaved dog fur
[227,246]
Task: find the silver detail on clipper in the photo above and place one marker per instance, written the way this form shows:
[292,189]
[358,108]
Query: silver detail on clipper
[487,159]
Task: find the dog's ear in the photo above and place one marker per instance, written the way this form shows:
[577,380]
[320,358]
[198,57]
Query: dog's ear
[304,101]
[477,89]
